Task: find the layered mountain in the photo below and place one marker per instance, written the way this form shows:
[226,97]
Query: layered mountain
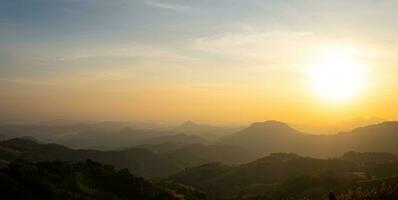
[139,161]
[198,154]
[289,176]
[381,137]
[162,148]
[111,139]
[102,136]
[176,139]
[207,131]
[263,138]
[40,131]
[369,157]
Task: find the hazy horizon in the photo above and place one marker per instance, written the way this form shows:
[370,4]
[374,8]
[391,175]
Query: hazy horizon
[332,128]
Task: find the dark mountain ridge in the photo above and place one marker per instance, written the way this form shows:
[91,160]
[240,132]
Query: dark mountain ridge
[139,161]
[289,176]
[262,138]
[204,130]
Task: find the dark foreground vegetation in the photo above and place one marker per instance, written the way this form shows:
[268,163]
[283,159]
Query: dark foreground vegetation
[289,176]
[382,192]
[91,180]
[87,180]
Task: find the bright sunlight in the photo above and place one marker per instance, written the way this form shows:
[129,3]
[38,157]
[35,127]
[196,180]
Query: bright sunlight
[337,73]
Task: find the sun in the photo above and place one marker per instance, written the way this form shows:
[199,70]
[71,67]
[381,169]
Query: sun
[337,73]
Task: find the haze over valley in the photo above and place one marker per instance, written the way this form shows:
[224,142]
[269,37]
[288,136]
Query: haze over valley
[198,100]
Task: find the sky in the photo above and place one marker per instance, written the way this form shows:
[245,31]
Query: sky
[201,60]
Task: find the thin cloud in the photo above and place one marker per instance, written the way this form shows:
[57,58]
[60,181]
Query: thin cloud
[25,81]
[168,6]
[135,51]
[282,47]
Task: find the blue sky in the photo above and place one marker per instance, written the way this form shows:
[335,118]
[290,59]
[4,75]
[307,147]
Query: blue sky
[68,25]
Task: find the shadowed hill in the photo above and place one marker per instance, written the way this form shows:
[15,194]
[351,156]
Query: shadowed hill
[103,136]
[87,180]
[190,155]
[141,162]
[371,157]
[381,137]
[270,169]
[207,131]
[197,154]
[289,176]
[162,147]
[262,138]
[109,138]
[177,139]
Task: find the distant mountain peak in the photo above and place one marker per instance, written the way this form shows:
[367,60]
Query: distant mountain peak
[380,127]
[181,135]
[189,123]
[387,123]
[27,140]
[270,125]
[283,156]
[189,126]
[277,157]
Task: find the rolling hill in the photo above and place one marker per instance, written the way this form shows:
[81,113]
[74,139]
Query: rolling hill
[140,161]
[86,180]
[207,131]
[263,138]
[289,176]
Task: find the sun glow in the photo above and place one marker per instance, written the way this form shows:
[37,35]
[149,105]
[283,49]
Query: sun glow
[338,73]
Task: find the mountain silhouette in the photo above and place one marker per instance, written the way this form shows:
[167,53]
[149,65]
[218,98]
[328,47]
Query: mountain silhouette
[177,139]
[207,131]
[141,161]
[290,176]
[262,138]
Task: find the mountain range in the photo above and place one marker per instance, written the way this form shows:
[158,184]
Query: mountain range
[266,160]
[263,138]
[139,161]
[204,130]
[258,140]
[290,176]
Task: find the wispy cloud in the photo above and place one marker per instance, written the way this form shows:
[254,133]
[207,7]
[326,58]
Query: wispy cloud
[152,53]
[259,47]
[168,5]
[25,81]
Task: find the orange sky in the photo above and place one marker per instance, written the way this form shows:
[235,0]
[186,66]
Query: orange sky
[153,60]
